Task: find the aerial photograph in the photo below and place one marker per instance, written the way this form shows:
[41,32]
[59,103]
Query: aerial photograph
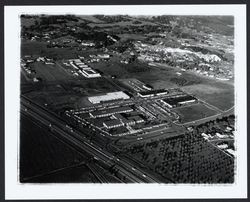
[127,99]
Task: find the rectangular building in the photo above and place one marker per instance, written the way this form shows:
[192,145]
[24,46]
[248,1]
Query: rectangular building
[136,119]
[90,73]
[108,97]
[152,93]
[114,123]
[132,120]
[110,111]
[179,101]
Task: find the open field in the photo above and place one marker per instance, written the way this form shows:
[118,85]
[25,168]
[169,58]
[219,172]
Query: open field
[125,37]
[60,95]
[155,77]
[217,93]
[32,48]
[76,174]
[51,72]
[194,112]
[88,87]
[41,152]
[41,49]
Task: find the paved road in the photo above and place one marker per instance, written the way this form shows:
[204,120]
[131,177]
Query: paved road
[77,139]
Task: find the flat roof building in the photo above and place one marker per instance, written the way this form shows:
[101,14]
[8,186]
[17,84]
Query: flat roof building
[90,73]
[83,69]
[114,123]
[129,120]
[137,119]
[179,101]
[110,111]
[153,93]
[108,97]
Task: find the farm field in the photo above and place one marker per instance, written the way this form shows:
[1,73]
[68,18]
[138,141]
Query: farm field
[194,112]
[76,174]
[32,48]
[41,152]
[37,48]
[185,159]
[50,72]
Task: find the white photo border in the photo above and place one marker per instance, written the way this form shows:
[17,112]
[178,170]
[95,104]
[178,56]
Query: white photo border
[16,190]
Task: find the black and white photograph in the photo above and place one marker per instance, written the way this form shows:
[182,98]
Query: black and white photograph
[129,98]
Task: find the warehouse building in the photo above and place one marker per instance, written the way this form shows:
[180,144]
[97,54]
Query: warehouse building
[108,97]
[152,93]
[179,101]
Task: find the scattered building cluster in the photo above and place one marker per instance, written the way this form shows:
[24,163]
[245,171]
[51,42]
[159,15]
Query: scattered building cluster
[221,135]
[83,69]
[185,58]
[25,61]
[45,60]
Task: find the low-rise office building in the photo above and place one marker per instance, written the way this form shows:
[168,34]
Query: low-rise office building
[110,111]
[114,123]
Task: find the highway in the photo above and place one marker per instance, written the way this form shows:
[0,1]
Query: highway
[80,142]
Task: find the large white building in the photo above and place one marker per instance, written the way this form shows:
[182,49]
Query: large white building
[108,97]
